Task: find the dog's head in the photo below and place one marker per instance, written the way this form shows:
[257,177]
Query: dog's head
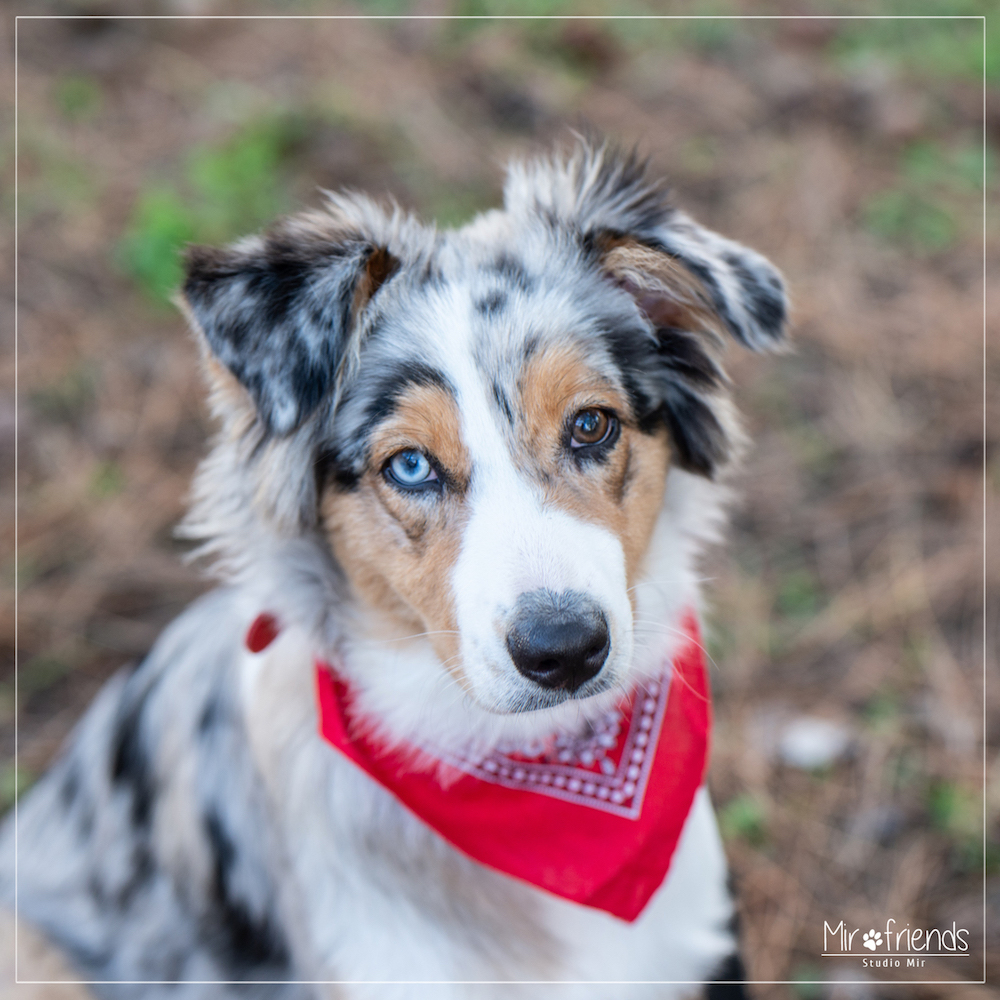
[479,425]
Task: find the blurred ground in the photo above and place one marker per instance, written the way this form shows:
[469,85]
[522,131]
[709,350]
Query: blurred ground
[849,152]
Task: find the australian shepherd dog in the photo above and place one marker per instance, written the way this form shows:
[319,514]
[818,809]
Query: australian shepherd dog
[456,500]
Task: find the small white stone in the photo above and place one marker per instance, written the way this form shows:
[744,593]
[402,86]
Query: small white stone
[589,788]
[559,781]
[809,742]
[645,722]
[638,756]
[574,784]
[519,774]
[602,792]
[633,772]
[617,798]
[641,739]
[629,789]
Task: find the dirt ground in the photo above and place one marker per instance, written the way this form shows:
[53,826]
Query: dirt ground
[851,586]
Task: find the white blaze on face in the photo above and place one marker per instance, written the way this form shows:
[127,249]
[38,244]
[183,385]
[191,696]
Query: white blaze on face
[513,544]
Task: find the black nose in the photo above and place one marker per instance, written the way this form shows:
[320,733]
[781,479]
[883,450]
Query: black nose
[558,640]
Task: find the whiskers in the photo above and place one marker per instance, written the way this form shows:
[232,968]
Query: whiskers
[366,643]
[641,625]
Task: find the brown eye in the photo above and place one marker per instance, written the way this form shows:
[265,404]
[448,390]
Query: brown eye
[590,427]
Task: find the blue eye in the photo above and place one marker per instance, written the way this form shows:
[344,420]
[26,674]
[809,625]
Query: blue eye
[411,469]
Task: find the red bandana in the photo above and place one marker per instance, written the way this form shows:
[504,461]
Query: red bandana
[593,818]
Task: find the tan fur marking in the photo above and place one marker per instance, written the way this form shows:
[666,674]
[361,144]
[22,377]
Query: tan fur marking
[37,959]
[379,267]
[398,549]
[228,399]
[624,493]
[425,418]
[664,290]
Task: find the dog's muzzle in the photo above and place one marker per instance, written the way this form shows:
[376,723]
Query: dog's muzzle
[559,641]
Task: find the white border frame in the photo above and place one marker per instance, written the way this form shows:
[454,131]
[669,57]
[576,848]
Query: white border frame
[484,17]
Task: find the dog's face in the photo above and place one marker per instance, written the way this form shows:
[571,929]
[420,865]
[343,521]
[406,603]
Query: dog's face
[491,485]
[489,416]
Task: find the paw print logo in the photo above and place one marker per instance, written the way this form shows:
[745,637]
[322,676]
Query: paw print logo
[871,939]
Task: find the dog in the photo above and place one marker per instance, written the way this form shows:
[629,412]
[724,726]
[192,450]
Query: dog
[460,487]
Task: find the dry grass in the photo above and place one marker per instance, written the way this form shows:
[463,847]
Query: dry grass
[852,587]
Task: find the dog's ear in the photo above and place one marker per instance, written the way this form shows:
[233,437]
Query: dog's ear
[603,193]
[744,289]
[278,310]
[675,377]
[692,286]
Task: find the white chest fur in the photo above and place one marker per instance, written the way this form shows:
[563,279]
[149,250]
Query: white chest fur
[375,895]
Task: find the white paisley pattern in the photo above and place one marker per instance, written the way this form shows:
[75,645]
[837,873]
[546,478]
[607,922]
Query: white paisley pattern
[604,768]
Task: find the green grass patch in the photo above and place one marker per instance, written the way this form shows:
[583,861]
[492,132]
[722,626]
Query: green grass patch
[635,24]
[814,449]
[454,207]
[908,218]
[953,808]
[992,858]
[13,784]
[957,812]
[41,672]
[745,818]
[882,710]
[160,225]
[475,17]
[527,8]
[937,189]
[108,480]
[7,707]
[700,155]
[384,8]
[950,48]
[224,191]
[808,982]
[958,170]
[78,97]
[239,185]
[710,35]
[798,594]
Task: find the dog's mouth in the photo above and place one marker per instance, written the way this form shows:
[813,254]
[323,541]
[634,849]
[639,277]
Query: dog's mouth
[536,699]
